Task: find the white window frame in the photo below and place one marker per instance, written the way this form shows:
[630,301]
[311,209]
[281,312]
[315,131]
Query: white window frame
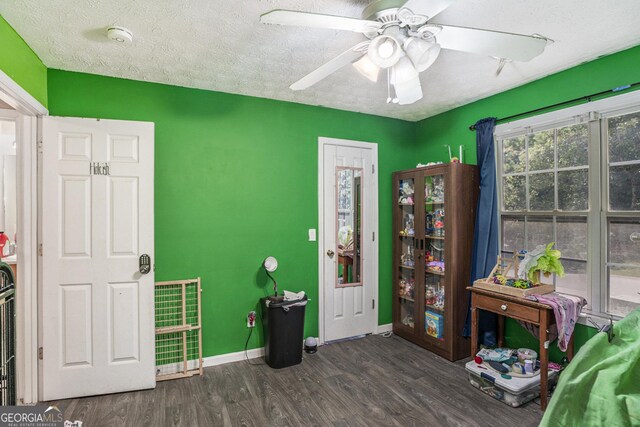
[595,114]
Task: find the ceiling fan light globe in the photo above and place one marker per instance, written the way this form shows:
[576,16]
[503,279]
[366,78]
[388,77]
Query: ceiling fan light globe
[408,92]
[384,51]
[422,53]
[403,71]
[367,68]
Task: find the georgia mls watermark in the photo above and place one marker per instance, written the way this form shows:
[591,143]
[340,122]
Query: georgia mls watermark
[34,416]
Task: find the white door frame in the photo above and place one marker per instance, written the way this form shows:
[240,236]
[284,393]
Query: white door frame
[27,214]
[322,141]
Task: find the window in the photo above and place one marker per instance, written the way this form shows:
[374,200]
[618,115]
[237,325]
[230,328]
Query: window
[623,213]
[573,177]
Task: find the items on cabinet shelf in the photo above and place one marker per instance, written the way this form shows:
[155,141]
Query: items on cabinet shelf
[434,324]
[409,226]
[406,193]
[430,302]
[407,290]
[408,259]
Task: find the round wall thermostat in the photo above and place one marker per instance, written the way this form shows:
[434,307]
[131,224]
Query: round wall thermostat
[119,35]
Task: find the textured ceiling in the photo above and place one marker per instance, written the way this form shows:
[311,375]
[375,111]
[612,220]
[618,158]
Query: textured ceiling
[220,45]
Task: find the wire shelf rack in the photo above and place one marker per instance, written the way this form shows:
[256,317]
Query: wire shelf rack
[8,336]
[178,329]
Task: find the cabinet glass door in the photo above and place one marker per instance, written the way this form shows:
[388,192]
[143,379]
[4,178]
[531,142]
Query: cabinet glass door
[434,224]
[407,262]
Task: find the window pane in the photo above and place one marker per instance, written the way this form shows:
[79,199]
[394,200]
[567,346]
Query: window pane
[624,290]
[574,281]
[539,232]
[624,241]
[541,151]
[572,237]
[541,196]
[512,234]
[513,155]
[573,190]
[624,137]
[514,193]
[624,187]
[573,146]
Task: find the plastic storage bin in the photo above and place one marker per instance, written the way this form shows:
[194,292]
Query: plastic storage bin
[514,392]
[283,325]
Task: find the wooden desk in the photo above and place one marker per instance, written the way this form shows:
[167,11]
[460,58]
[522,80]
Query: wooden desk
[519,309]
[345,261]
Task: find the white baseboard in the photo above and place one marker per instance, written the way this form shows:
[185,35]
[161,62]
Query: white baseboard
[238,356]
[382,329]
[221,359]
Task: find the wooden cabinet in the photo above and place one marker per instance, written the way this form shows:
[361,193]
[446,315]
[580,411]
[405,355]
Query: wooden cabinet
[433,218]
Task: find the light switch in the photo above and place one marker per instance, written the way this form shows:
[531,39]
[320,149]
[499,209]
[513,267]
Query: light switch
[312,234]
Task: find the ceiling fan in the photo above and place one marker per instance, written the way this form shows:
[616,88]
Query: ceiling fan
[403,42]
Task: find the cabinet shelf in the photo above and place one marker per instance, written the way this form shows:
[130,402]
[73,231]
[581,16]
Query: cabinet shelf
[430,236]
[436,272]
[445,194]
[433,308]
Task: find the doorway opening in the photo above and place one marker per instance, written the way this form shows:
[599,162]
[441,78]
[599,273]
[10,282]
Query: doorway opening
[19,222]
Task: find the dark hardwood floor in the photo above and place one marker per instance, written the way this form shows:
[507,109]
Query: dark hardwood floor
[373,381]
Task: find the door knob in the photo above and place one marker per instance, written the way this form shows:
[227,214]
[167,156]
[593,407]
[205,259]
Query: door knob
[144,264]
[330,252]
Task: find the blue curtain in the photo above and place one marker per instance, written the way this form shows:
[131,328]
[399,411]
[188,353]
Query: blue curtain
[485,236]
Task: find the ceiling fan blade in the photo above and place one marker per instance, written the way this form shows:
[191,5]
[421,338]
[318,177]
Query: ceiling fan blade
[316,20]
[428,8]
[408,92]
[331,67]
[517,47]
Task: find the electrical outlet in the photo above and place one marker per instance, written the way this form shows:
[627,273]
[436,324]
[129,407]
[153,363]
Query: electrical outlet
[251,319]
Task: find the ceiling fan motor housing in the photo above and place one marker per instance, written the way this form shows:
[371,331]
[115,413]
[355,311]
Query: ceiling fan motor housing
[383,11]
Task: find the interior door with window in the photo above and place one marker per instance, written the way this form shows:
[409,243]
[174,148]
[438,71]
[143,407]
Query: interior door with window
[97,315]
[349,206]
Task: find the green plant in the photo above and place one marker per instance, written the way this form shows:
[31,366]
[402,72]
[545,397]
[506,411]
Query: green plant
[548,262]
[541,260]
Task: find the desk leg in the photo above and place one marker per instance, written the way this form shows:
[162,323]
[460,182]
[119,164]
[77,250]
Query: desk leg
[500,330]
[570,347]
[544,357]
[474,330]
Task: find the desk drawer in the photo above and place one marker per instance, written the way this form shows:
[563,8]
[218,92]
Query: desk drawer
[511,309]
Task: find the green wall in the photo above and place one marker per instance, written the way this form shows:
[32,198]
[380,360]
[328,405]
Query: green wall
[236,181]
[452,127]
[19,62]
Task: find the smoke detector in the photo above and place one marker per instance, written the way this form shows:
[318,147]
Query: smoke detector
[119,35]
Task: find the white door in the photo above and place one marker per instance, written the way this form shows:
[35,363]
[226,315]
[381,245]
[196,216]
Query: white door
[97,330]
[348,246]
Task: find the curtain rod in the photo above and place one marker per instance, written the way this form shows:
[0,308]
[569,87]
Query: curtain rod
[560,104]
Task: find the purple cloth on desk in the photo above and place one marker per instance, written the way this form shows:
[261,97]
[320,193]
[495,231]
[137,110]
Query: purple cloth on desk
[566,308]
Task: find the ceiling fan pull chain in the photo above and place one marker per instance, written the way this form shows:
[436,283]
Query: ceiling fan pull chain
[388,86]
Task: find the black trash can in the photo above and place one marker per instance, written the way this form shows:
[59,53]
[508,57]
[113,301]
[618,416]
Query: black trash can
[283,324]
